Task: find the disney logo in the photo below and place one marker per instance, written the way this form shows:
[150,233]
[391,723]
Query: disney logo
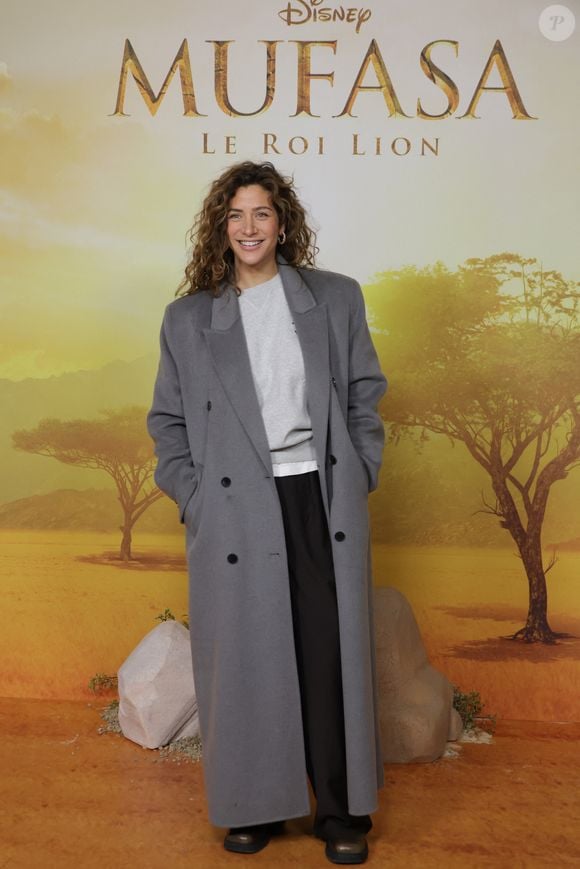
[302,11]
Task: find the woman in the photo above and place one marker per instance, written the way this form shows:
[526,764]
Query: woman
[268,438]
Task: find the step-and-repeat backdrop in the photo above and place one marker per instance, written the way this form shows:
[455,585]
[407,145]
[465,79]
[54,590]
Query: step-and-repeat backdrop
[435,147]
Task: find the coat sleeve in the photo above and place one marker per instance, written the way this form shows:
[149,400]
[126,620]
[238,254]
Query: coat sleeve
[175,473]
[366,387]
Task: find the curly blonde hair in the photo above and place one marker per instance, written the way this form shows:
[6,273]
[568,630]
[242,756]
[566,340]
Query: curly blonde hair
[212,260]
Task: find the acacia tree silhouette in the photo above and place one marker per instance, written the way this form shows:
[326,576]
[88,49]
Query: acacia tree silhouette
[489,356]
[117,444]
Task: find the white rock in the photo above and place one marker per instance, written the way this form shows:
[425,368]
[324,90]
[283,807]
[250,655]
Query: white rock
[190,728]
[156,688]
[477,735]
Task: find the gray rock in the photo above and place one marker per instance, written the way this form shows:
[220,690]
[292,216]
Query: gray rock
[415,699]
[455,726]
[156,688]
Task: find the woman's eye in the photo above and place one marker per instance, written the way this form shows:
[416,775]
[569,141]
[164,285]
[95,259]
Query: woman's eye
[262,214]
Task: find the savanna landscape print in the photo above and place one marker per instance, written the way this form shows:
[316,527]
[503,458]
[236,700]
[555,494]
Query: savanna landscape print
[474,520]
[467,255]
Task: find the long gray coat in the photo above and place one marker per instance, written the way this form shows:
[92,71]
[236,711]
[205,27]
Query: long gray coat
[214,461]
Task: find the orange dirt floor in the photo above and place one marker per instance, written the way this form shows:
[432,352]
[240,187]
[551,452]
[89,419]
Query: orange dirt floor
[72,797]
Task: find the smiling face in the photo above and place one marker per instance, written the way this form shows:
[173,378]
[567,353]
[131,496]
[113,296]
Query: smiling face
[253,228]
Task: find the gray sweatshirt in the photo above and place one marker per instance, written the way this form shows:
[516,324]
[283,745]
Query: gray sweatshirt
[279,378]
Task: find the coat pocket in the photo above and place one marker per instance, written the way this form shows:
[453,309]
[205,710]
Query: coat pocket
[192,511]
[357,459]
[344,435]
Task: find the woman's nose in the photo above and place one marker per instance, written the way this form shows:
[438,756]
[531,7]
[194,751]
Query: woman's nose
[249,227]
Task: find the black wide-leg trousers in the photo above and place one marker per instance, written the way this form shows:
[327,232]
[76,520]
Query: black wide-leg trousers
[317,644]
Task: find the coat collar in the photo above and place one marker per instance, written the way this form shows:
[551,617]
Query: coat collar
[226,307]
[228,348]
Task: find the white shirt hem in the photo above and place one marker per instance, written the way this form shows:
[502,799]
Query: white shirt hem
[286,469]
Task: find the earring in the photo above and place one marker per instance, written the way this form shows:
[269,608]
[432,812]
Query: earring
[282,237]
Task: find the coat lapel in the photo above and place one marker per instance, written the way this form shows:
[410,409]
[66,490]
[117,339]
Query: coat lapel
[227,345]
[311,321]
[226,340]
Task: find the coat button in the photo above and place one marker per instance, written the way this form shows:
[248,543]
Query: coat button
[340,535]
[332,459]
[209,405]
[225,481]
[232,558]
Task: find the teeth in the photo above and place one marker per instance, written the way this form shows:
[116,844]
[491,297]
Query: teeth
[250,243]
